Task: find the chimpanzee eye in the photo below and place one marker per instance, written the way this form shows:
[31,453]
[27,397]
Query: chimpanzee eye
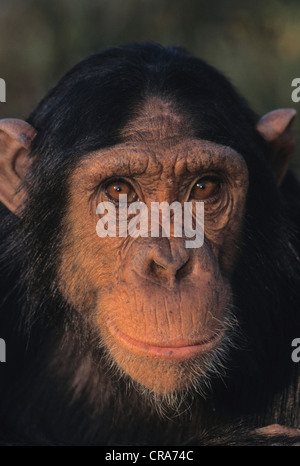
[205,188]
[117,187]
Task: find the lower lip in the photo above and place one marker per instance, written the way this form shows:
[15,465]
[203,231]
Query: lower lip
[177,352]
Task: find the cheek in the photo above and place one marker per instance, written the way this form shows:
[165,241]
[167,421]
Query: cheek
[88,264]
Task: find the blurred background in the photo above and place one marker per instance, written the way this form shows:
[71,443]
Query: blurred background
[255,44]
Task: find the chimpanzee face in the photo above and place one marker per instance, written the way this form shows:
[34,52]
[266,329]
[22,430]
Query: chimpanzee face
[161,307]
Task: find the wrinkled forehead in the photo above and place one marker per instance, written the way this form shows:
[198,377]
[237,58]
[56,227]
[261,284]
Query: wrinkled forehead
[159,141]
[156,121]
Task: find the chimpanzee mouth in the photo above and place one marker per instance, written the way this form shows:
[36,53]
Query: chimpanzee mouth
[179,350]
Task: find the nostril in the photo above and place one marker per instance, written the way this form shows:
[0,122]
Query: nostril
[156,267]
[168,259]
[157,264]
[183,270]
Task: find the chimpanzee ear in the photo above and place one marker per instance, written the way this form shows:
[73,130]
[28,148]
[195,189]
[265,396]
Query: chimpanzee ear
[276,128]
[16,137]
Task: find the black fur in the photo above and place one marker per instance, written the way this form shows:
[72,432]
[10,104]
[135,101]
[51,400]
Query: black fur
[50,393]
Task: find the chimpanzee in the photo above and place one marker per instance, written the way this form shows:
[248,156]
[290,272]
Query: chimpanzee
[138,339]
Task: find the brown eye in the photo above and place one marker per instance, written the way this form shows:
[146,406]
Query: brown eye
[116,188]
[205,188]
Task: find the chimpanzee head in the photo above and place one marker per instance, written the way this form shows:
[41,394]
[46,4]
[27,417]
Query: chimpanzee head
[155,125]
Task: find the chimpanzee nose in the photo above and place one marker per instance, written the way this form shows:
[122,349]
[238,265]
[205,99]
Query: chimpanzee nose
[168,257]
[158,259]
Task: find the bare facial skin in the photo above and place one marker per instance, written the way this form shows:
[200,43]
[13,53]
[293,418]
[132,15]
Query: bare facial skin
[158,305]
